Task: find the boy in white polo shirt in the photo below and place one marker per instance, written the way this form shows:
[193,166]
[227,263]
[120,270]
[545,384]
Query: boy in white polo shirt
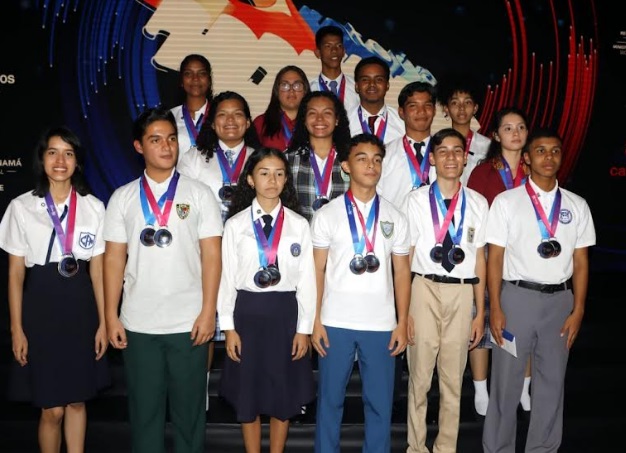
[447,223]
[163,248]
[357,238]
[538,235]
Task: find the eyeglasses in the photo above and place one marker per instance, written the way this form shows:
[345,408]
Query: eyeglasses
[295,86]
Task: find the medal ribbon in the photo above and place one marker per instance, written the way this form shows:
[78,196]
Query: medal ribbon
[436,199]
[382,126]
[372,222]
[507,179]
[547,226]
[268,247]
[341,92]
[194,129]
[230,175]
[287,132]
[468,142]
[66,241]
[322,181]
[421,177]
[166,200]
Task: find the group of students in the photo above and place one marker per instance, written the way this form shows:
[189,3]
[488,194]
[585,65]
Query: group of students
[308,228]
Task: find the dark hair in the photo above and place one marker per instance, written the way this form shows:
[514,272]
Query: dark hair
[454,82]
[42,183]
[357,140]
[439,136]
[149,116]
[273,113]
[541,132]
[417,87]
[301,141]
[244,193]
[371,60]
[207,67]
[495,147]
[327,30]
[207,140]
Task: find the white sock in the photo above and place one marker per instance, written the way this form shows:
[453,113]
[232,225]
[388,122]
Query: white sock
[208,374]
[525,398]
[481,397]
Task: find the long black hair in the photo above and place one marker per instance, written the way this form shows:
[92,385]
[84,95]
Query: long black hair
[244,193]
[42,183]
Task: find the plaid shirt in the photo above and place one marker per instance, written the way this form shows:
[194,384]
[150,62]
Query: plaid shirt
[304,181]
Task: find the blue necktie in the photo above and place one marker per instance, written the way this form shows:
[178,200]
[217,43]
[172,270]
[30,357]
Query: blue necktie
[333,87]
[229,157]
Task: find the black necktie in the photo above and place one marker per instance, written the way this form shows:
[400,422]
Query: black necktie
[371,121]
[267,227]
[447,244]
[418,151]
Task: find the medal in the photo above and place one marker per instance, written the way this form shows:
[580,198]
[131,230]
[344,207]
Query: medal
[319,202]
[456,255]
[263,278]
[546,249]
[272,269]
[557,247]
[436,253]
[147,236]
[226,192]
[373,263]
[162,237]
[358,265]
[68,266]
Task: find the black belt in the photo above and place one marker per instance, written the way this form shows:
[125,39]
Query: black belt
[542,287]
[446,279]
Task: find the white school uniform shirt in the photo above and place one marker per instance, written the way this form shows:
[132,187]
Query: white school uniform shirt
[163,286]
[195,166]
[350,98]
[477,152]
[184,140]
[26,229]
[366,301]
[417,209]
[513,224]
[240,262]
[395,125]
[396,180]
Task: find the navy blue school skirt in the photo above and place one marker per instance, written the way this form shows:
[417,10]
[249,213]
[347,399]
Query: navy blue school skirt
[267,381]
[60,319]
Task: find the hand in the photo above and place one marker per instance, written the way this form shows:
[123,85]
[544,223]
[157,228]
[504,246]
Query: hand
[477,332]
[101,341]
[117,334]
[571,327]
[233,345]
[497,323]
[20,347]
[203,329]
[299,346]
[399,339]
[319,339]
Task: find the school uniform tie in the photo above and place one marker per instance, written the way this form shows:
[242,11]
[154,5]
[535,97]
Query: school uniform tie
[267,227]
[447,245]
[371,122]
[229,156]
[333,87]
[418,151]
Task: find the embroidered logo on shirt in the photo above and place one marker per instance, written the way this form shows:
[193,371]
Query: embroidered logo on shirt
[386,228]
[295,249]
[87,240]
[182,210]
[471,231]
[565,216]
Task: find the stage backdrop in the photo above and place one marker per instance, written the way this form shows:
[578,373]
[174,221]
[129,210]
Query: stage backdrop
[94,65]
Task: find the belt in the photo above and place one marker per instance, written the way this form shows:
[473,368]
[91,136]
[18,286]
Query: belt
[446,279]
[542,287]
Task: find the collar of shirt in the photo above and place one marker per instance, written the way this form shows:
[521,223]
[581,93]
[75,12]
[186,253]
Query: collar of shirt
[258,212]
[235,149]
[545,198]
[364,208]
[159,187]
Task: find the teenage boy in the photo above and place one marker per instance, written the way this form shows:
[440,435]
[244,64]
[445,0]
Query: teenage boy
[163,249]
[330,51]
[372,115]
[361,305]
[538,266]
[447,223]
[406,165]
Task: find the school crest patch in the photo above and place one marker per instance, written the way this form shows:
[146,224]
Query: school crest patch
[471,231]
[295,249]
[182,210]
[387,229]
[565,216]
[87,240]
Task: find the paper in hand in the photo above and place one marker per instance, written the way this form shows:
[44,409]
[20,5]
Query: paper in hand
[509,342]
